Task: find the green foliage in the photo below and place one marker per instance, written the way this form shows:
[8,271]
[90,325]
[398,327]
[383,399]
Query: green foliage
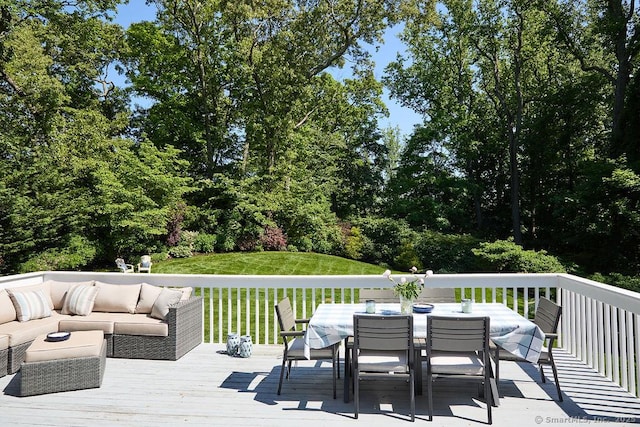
[181,251]
[354,243]
[407,257]
[205,243]
[505,256]
[383,238]
[78,253]
[447,253]
[631,283]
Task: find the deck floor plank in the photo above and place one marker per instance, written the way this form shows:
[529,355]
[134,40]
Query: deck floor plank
[207,387]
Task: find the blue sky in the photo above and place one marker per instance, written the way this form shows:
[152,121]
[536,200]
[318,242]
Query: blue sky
[403,118]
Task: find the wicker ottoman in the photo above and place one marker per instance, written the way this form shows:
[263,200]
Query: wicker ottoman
[74,364]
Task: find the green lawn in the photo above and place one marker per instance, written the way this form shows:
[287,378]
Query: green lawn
[265,263]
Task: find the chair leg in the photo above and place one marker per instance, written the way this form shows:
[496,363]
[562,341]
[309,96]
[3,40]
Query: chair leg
[335,369]
[282,368]
[430,393]
[356,391]
[555,376]
[412,395]
[488,398]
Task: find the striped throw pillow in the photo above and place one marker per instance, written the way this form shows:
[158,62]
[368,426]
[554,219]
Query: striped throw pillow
[30,305]
[79,300]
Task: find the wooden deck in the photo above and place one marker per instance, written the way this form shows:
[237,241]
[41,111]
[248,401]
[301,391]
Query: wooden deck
[207,387]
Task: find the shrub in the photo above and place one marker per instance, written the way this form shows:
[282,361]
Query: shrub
[79,252]
[407,258]
[355,242]
[205,243]
[447,253]
[273,239]
[386,236]
[631,283]
[225,242]
[506,256]
[304,244]
[181,251]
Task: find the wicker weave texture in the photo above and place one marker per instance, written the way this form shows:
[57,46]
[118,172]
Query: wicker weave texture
[62,374]
[185,333]
[4,362]
[16,356]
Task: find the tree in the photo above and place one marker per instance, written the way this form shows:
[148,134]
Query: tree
[72,190]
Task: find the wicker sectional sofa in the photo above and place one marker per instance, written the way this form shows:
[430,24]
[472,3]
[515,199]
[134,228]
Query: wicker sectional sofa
[139,321]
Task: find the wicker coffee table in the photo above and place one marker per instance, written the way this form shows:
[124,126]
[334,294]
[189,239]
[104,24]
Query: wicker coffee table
[73,364]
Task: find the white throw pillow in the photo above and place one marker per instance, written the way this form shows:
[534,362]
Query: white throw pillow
[30,305]
[148,296]
[80,300]
[166,298]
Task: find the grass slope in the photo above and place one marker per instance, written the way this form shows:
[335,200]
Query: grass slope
[265,263]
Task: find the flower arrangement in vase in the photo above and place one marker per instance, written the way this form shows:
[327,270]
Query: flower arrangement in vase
[407,290]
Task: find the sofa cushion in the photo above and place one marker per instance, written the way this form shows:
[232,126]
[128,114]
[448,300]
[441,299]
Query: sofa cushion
[166,298]
[23,332]
[140,324]
[45,286]
[79,344]
[148,295]
[92,322]
[4,342]
[7,310]
[117,298]
[186,292]
[30,305]
[59,291]
[80,300]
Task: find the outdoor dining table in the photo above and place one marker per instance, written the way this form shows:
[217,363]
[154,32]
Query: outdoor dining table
[331,323]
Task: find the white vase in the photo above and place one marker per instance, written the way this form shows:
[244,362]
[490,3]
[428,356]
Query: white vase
[233,340]
[406,305]
[245,348]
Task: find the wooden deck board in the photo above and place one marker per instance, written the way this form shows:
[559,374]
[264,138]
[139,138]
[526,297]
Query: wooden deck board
[207,387]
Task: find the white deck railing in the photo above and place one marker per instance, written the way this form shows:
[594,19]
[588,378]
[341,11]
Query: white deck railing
[599,325]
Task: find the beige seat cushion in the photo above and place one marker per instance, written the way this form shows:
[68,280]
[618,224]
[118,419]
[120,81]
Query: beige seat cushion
[23,332]
[140,324]
[148,295]
[79,344]
[4,342]
[117,298]
[296,350]
[59,291]
[7,309]
[93,321]
[382,361]
[456,363]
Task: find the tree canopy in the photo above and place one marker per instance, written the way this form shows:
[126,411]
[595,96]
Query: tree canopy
[248,140]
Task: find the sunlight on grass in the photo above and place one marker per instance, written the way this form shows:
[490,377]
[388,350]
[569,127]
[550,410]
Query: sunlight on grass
[266,263]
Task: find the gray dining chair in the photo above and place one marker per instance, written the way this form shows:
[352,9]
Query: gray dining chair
[458,347]
[547,317]
[437,295]
[293,341]
[383,348]
[378,295]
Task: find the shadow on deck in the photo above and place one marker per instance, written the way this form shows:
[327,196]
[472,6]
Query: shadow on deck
[207,387]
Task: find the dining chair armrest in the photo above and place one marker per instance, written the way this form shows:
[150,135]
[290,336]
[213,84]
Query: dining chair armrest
[551,335]
[292,333]
[302,320]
